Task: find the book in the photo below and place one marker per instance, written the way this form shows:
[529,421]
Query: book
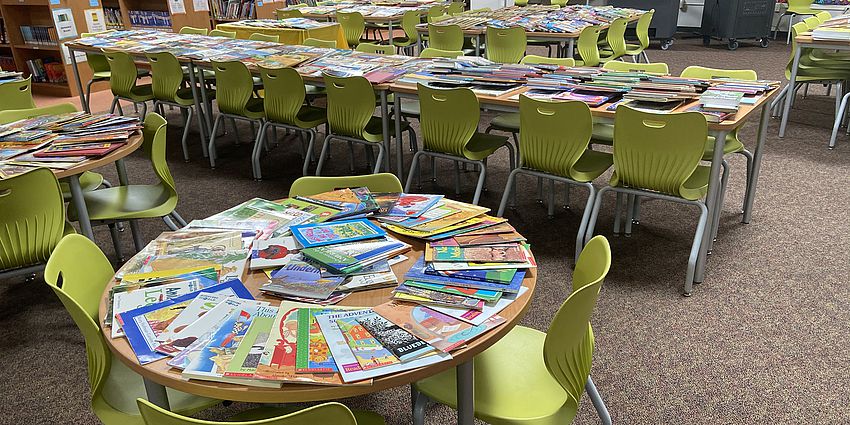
[126,301]
[503,276]
[488,239]
[427,296]
[313,354]
[509,253]
[320,213]
[350,257]
[442,332]
[247,356]
[274,252]
[417,273]
[198,318]
[368,281]
[385,201]
[310,235]
[477,317]
[207,277]
[350,202]
[480,294]
[370,354]
[413,205]
[401,343]
[301,279]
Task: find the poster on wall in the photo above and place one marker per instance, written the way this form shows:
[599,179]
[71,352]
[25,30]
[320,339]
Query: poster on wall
[64,21]
[201,5]
[177,7]
[95,21]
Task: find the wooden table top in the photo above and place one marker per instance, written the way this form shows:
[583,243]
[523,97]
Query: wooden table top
[163,374]
[134,142]
[806,38]
[423,28]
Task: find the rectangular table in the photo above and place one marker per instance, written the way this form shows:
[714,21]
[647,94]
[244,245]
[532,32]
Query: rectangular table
[330,31]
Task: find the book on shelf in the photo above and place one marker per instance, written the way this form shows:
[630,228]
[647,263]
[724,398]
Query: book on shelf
[41,35]
[113,17]
[46,70]
[149,18]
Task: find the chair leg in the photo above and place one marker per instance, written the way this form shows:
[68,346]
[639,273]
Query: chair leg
[617,207]
[324,152]
[235,131]
[585,218]
[509,187]
[747,154]
[88,94]
[715,225]
[309,155]
[551,206]
[594,215]
[201,130]
[630,209]
[116,242]
[420,402]
[211,147]
[137,236]
[185,140]
[351,157]
[144,110]
[258,150]
[414,165]
[839,116]
[567,197]
[178,218]
[692,259]
[482,175]
[380,159]
[114,104]
[457,178]
[597,401]
[170,223]
[539,190]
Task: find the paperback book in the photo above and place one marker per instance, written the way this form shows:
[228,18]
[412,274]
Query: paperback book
[310,235]
[401,343]
[274,252]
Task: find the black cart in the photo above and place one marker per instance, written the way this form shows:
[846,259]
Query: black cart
[664,21]
[737,19]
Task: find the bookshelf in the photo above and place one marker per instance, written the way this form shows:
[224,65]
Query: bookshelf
[7,61]
[223,11]
[153,14]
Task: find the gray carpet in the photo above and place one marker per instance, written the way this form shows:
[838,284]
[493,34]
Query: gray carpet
[762,340]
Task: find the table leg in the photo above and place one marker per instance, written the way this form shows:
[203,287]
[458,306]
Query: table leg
[571,43]
[390,35]
[80,206]
[385,127]
[478,45]
[789,95]
[754,172]
[156,394]
[465,394]
[419,42]
[122,171]
[712,203]
[83,101]
[399,144]
[205,102]
[202,124]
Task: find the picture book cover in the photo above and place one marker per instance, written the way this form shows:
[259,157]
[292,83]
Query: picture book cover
[489,239]
[126,301]
[478,317]
[177,338]
[385,201]
[350,202]
[481,294]
[368,281]
[503,276]
[213,359]
[437,212]
[231,263]
[310,235]
[320,213]
[199,240]
[350,257]
[401,343]
[144,324]
[433,234]
[247,356]
[347,363]
[529,263]
[417,273]
[428,296]
[207,277]
[413,205]
[474,224]
[274,252]
[313,355]
[466,211]
[301,279]
[370,354]
[442,332]
[503,227]
[483,254]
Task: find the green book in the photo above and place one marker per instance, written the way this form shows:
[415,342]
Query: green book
[322,212]
[313,355]
[247,355]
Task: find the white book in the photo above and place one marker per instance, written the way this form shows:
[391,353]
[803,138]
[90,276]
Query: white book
[130,300]
[368,281]
[179,341]
[478,317]
[347,364]
[196,309]
[274,252]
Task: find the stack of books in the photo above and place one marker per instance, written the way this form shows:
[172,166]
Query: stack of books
[835,29]
[7,76]
[542,18]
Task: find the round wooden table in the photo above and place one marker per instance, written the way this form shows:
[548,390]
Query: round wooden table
[158,375]
[73,175]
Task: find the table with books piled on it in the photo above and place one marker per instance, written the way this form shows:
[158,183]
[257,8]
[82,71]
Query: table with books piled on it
[318,297]
[10,76]
[289,30]
[69,145]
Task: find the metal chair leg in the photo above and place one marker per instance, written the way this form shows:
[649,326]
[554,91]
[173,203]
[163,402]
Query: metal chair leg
[692,259]
[414,165]
[597,401]
[211,147]
[322,155]
[481,179]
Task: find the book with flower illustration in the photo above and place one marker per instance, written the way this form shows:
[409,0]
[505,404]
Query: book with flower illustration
[370,354]
[313,355]
[310,235]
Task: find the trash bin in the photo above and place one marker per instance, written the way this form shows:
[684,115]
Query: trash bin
[664,21]
[736,19]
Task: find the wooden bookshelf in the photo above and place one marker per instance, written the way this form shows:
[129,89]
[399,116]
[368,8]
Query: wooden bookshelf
[191,18]
[6,48]
[262,9]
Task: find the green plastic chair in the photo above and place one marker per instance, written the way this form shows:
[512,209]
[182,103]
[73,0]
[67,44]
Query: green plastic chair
[288,13]
[520,3]
[642,31]
[445,37]
[315,42]
[100,69]
[235,97]
[545,60]
[587,46]
[375,49]
[122,80]
[78,273]
[615,39]
[410,107]
[449,121]
[505,45]
[33,215]
[823,16]
[222,33]
[193,30]
[409,21]
[138,201]
[455,8]
[89,180]
[531,377]
[169,89]
[353,25]
[431,52]
[559,3]
[795,8]
[435,12]
[17,95]
[312,185]
[326,413]
[658,156]
[351,103]
[257,36]
[654,68]
[546,151]
[284,106]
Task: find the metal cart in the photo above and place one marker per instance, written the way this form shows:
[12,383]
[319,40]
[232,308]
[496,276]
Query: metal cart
[664,21]
[736,19]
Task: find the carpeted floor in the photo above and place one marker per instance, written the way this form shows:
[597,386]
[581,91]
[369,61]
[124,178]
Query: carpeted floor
[762,340]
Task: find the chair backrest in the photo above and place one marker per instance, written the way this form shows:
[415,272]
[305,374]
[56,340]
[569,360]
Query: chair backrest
[193,30]
[311,185]
[409,21]
[657,152]
[233,86]
[377,49]
[353,25]
[642,28]
[430,52]
[78,273]
[812,22]
[455,8]
[799,5]
[823,16]
[327,413]
[616,36]
[288,13]
[445,37]
[97,62]
[544,145]
[154,132]
[505,45]
[546,60]
[123,73]
[222,33]
[16,95]
[560,3]
[13,115]
[315,42]
[435,11]
[166,75]
[284,94]
[520,3]
[33,215]
[351,102]
[568,348]
[448,118]
[796,29]
[587,45]
[655,68]
[258,36]
[711,73]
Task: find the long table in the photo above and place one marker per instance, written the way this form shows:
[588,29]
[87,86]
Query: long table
[330,31]
[389,20]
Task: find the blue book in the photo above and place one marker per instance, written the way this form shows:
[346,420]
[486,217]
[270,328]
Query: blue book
[417,272]
[142,325]
[348,258]
[318,234]
[501,276]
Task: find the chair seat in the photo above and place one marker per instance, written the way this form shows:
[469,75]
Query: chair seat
[694,188]
[141,93]
[633,49]
[105,75]
[506,122]
[315,90]
[127,202]
[591,165]
[732,145]
[603,134]
[363,417]
[512,383]
[311,116]
[403,41]
[374,129]
[184,96]
[254,109]
[482,145]
[89,181]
